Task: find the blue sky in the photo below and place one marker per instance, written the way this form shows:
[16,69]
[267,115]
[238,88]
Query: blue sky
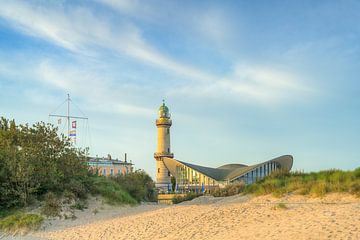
[245,81]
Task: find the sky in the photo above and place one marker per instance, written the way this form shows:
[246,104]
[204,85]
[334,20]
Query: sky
[245,81]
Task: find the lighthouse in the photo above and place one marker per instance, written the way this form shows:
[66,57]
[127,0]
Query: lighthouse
[163,124]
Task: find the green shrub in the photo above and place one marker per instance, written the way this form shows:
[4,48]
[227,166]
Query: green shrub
[79,205]
[111,191]
[138,184]
[52,205]
[357,172]
[189,196]
[35,160]
[76,187]
[355,188]
[20,223]
[228,190]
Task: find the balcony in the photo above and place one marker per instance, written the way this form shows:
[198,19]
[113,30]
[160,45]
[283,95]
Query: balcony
[163,121]
[163,154]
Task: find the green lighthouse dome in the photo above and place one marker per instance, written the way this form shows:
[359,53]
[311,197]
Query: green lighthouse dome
[164,111]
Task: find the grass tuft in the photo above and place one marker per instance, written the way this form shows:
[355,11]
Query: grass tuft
[280,206]
[20,223]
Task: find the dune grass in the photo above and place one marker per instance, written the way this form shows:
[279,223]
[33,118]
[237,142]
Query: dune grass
[189,196]
[314,183]
[20,223]
[111,191]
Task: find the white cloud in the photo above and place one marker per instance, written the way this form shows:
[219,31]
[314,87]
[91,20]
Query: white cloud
[79,30]
[96,90]
[260,84]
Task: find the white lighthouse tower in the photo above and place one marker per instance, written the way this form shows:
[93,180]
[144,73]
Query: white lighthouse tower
[163,124]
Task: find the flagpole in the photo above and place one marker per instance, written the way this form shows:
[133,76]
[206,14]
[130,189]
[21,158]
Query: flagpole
[68,114]
[69,117]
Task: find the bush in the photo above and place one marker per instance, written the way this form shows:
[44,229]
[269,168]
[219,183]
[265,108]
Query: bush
[189,196]
[52,205]
[355,188]
[139,185]
[34,160]
[229,190]
[20,223]
[111,191]
[79,205]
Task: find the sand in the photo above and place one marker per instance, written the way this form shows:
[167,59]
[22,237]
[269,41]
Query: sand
[336,216]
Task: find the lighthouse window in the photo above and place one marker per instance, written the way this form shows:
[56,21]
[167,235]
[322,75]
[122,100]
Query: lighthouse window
[169,173]
[168,131]
[168,150]
[158,170]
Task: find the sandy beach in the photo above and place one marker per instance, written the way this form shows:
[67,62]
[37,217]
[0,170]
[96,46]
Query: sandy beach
[336,216]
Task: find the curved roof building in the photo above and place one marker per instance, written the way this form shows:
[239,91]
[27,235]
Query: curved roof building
[191,176]
[194,176]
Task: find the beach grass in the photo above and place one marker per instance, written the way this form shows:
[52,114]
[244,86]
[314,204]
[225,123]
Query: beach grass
[315,183]
[20,223]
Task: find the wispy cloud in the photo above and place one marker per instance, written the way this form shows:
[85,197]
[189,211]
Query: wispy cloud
[96,90]
[79,30]
[257,84]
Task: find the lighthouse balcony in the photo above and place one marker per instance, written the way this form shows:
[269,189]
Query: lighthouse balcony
[163,154]
[163,121]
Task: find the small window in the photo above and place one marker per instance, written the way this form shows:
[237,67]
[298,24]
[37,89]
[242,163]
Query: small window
[104,172]
[169,173]
[158,170]
[111,172]
[168,150]
[168,131]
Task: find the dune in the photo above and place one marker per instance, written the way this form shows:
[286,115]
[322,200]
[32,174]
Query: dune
[335,216]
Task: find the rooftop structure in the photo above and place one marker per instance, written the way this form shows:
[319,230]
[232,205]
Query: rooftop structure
[110,167]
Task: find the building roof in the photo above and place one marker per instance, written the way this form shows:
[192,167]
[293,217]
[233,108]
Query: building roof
[107,161]
[228,171]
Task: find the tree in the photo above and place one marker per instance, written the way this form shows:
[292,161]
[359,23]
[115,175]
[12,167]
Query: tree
[35,160]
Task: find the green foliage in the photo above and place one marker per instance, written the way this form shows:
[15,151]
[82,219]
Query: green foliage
[314,183]
[190,196]
[79,205]
[138,184]
[35,160]
[20,222]
[111,191]
[229,190]
[52,205]
[36,163]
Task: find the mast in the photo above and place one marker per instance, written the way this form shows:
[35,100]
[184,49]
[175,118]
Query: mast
[68,116]
[68,113]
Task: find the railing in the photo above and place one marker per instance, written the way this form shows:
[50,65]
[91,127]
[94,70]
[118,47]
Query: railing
[164,154]
[163,121]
